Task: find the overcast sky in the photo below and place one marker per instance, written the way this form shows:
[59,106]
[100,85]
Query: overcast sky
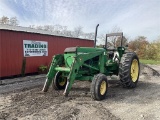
[134,17]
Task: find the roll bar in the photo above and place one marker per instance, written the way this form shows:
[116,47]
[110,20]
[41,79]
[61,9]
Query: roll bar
[114,34]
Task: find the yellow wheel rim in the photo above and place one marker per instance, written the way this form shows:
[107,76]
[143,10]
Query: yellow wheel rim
[62,82]
[134,70]
[103,87]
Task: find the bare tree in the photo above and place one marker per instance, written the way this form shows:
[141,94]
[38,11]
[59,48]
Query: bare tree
[124,41]
[102,38]
[47,27]
[32,26]
[88,35]
[63,30]
[78,31]
[13,21]
[69,33]
[57,29]
[4,20]
[39,27]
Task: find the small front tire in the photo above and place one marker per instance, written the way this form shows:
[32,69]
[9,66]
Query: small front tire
[99,87]
[59,82]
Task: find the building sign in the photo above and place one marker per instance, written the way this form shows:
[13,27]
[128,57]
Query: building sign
[35,48]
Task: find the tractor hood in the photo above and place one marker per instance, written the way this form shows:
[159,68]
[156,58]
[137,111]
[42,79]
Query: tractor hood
[72,52]
[82,49]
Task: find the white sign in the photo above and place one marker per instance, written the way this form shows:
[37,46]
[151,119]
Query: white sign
[35,48]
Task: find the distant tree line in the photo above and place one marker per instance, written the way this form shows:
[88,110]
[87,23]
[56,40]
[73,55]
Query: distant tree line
[140,45]
[145,49]
[10,21]
[55,29]
[64,31]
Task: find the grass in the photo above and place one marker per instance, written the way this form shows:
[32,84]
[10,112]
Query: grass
[152,62]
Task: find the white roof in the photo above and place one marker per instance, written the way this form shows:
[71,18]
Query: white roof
[30,30]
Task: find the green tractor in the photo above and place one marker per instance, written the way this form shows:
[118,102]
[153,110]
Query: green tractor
[93,64]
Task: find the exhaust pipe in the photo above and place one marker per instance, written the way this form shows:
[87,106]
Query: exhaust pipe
[95,36]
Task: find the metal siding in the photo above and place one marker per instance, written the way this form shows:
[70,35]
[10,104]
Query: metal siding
[11,51]
[0,53]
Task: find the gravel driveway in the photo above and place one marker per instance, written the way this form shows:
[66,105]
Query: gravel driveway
[25,101]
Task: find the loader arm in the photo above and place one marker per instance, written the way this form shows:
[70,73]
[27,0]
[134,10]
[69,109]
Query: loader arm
[57,60]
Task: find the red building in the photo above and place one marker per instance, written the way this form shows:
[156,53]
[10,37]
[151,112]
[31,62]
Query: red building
[12,51]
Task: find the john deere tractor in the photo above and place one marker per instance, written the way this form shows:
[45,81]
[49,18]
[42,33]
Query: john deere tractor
[93,64]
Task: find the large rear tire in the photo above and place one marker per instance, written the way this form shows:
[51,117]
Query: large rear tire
[59,82]
[129,70]
[99,87]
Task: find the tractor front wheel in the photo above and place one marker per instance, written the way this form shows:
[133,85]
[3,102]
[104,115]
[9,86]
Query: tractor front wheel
[99,87]
[129,70]
[59,82]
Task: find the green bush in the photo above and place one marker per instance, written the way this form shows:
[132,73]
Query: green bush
[42,68]
[151,52]
[145,49]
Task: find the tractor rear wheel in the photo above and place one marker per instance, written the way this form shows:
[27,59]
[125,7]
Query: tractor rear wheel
[129,70]
[99,87]
[59,82]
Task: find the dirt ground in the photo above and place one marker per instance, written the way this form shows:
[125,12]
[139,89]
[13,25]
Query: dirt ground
[25,101]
